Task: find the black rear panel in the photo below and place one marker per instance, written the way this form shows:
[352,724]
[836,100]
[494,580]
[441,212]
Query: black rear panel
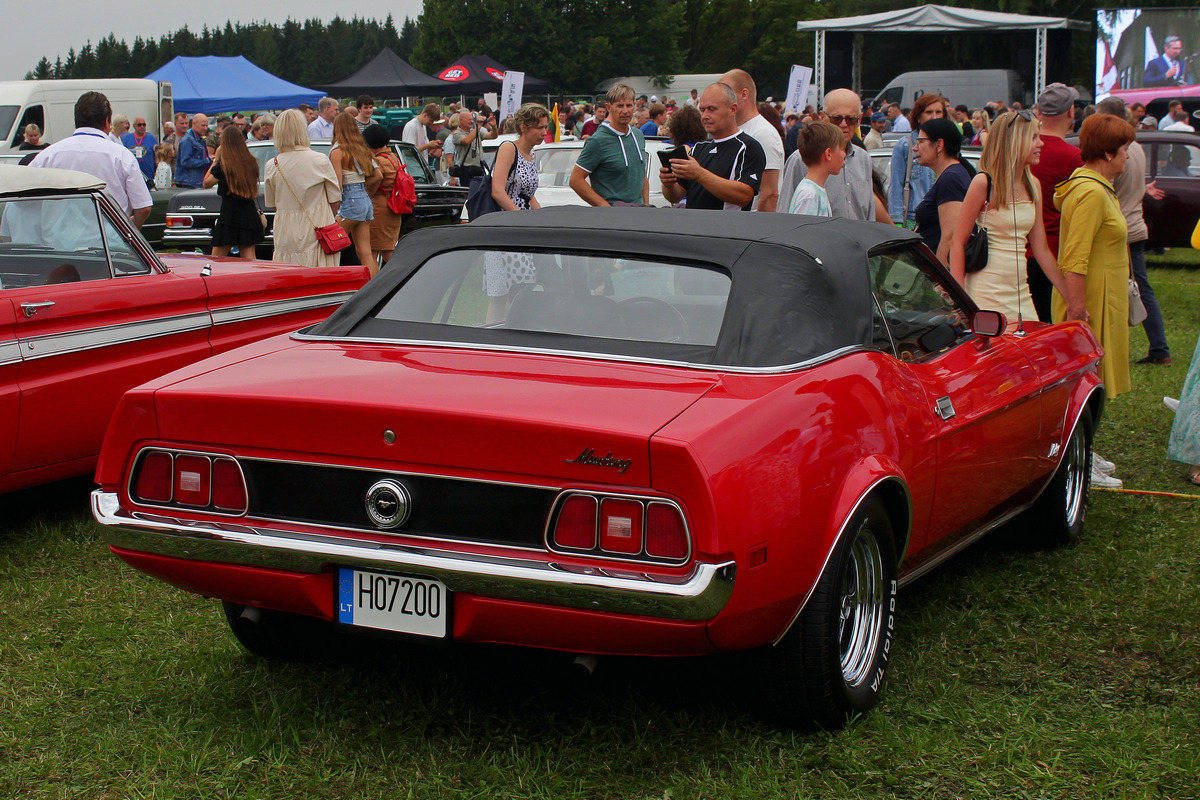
[444,508]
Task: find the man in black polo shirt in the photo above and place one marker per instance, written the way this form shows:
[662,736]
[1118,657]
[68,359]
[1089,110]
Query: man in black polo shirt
[723,172]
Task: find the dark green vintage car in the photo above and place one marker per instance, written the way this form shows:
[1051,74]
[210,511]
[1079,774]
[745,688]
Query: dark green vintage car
[192,213]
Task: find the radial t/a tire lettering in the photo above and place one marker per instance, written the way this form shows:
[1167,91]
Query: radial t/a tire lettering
[832,662]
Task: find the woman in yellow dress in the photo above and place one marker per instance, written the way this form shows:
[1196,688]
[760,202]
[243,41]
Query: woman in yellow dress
[1094,257]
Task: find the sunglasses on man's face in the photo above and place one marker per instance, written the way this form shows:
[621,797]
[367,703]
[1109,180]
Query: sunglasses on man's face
[845,120]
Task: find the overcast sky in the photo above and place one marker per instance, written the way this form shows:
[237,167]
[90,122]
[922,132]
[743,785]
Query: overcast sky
[71,23]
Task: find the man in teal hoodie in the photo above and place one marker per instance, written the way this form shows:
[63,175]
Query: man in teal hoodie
[611,168]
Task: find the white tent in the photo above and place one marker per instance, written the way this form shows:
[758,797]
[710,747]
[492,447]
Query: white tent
[935,19]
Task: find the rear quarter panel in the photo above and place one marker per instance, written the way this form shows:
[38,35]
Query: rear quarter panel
[779,464]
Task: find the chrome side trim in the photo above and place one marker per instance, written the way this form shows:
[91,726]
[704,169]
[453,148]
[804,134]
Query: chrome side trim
[300,336]
[838,539]
[58,344]
[10,353]
[699,595]
[224,316]
[962,544]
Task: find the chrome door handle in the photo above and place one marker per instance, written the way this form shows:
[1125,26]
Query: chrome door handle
[945,408]
[29,309]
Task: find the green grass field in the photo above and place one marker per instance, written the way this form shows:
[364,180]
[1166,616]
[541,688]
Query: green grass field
[1019,673]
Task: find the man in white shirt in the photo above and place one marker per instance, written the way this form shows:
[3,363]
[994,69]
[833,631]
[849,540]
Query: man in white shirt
[322,126]
[416,133]
[90,150]
[767,135]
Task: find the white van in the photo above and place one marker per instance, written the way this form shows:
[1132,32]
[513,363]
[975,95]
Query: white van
[970,87]
[51,105]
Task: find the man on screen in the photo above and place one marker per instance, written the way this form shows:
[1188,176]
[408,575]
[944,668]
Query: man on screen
[1168,69]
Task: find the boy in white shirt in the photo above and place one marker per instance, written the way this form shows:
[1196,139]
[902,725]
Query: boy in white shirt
[823,151]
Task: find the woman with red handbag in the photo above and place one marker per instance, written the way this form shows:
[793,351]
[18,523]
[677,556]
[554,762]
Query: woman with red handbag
[303,188]
[385,228]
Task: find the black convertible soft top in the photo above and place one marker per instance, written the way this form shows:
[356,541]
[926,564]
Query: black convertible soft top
[800,285]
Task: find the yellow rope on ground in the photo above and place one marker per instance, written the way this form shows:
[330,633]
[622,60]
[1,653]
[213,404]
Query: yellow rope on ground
[1146,492]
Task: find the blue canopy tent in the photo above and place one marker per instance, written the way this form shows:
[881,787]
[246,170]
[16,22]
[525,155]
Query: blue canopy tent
[214,83]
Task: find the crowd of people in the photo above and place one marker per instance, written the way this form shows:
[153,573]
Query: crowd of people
[1063,222]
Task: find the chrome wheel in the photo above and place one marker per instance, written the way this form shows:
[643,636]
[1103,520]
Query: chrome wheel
[1078,473]
[863,598]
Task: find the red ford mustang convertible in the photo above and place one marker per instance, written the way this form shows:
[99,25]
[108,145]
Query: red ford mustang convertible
[612,432]
[87,311]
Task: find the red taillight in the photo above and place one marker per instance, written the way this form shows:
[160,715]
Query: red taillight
[621,526]
[228,489]
[193,480]
[666,534]
[576,525]
[154,478]
[179,222]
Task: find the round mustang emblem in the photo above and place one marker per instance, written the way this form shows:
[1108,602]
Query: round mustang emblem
[388,504]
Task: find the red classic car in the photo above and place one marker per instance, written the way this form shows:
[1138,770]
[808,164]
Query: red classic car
[87,310]
[612,431]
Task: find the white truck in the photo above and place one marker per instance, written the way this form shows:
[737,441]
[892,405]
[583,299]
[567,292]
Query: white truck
[970,87]
[51,105]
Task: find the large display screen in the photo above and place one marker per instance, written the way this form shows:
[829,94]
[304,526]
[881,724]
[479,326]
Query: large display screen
[1145,54]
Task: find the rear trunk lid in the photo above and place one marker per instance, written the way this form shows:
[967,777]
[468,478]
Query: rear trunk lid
[479,414]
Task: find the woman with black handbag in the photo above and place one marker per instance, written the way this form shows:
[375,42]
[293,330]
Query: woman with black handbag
[1012,217]
[938,144]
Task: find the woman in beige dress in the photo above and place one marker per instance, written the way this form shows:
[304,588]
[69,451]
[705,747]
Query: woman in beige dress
[303,188]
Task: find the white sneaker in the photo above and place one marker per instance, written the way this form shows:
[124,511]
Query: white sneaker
[1102,481]
[1171,403]
[1102,465]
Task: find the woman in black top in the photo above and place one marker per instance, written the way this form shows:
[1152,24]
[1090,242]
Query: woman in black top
[235,174]
[938,144]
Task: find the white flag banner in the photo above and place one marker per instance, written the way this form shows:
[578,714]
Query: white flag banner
[491,100]
[510,93]
[798,83]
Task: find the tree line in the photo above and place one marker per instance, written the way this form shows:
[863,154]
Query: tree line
[572,44]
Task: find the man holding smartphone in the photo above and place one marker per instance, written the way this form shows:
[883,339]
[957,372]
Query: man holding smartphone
[611,168]
[725,171]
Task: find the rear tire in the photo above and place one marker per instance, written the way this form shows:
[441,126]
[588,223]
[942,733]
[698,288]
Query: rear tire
[831,664]
[1059,513]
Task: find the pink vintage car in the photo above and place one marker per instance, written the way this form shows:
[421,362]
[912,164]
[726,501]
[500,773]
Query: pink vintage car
[612,431]
[88,310]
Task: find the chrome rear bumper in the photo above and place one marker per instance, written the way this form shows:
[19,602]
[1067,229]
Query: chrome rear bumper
[620,589]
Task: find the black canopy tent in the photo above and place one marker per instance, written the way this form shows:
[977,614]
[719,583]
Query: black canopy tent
[388,76]
[479,74]
[934,19]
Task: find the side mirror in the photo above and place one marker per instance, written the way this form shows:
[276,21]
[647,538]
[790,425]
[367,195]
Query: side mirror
[988,323]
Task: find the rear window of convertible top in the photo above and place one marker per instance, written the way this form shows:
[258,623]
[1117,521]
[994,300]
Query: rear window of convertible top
[600,296]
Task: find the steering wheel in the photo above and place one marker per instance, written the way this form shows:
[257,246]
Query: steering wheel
[651,319]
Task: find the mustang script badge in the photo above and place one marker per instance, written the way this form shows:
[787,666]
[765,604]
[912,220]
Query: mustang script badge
[589,457]
[388,504]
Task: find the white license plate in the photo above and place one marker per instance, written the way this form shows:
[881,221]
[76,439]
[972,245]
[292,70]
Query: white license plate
[393,602]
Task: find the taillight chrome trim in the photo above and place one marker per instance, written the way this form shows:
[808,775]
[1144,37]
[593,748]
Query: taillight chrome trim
[175,505]
[642,557]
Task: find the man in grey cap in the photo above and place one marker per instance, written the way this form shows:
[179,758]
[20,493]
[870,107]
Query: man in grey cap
[1056,110]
